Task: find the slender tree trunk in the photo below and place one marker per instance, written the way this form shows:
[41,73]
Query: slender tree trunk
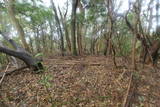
[10,8]
[64,23]
[37,40]
[79,38]
[150,17]
[31,44]
[106,45]
[138,29]
[80,28]
[59,27]
[92,46]
[110,25]
[157,13]
[51,36]
[43,38]
[67,37]
[111,22]
[73,26]
[109,51]
[134,53]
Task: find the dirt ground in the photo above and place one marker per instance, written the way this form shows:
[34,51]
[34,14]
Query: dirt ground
[89,81]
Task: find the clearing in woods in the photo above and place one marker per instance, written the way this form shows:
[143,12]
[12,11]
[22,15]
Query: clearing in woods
[88,81]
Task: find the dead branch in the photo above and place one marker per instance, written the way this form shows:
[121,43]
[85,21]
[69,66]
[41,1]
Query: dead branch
[10,72]
[130,92]
[4,74]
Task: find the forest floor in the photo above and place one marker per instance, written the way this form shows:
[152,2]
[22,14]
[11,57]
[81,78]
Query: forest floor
[89,81]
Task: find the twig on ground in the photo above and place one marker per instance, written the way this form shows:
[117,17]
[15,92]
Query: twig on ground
[130,92]
[121,76]
[4,74]
[10,72]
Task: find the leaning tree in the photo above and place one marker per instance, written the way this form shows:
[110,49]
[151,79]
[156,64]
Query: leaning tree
[19,53]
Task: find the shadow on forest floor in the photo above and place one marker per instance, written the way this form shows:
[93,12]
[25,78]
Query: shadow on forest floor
[81,82]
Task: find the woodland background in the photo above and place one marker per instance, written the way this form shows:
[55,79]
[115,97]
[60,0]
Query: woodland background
[92,52]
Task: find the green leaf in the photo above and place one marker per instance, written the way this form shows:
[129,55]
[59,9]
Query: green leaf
[38,55]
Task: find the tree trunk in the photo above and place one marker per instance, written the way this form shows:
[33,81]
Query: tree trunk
[79,38]
[59,27]
[31,44]
[133,52]
[152,55]
[20,53]
[51,36]
[37,40]
[106,45]
[10,8]
[80,28]
[43,38]
[157,13]
[73,26]
[92,49]
[64,23]
[150,21]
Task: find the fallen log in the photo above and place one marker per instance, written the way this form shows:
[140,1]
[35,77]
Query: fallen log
[20,53]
